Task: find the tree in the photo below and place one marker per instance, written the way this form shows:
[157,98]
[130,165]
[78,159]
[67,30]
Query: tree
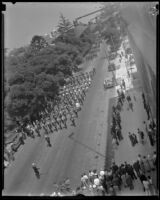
[64,26]
[38,43]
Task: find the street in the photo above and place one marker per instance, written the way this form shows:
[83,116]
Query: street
[68,156]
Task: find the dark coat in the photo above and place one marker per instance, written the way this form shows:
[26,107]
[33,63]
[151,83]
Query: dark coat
[136,166]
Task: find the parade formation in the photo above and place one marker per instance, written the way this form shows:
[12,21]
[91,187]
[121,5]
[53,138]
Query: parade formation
[120,114]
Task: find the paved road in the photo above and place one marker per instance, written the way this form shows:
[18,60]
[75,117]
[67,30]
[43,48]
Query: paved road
[69,156]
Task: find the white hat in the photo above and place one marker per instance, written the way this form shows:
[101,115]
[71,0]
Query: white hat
[102,173]
[94,186]
[53,194]
[96,181]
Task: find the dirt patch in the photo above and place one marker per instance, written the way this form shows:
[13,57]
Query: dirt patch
[109,148]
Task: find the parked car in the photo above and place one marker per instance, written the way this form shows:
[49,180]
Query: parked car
[108,83]
[112,56]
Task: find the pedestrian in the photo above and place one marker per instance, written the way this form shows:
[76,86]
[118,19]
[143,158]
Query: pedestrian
[143,178]
[141,136]
[150,136]
[130,171]
[135,138]
[118,92]
[83,182]
[147,110]
[73,121]
[129,181]
[131,138]
[140,160]
[123,178]
[104,183]
[130,105]
[128,98]
[154,157]
[151,162]
[146,164]
[137,167]
[146,187]
[122,95]
[116,181]
[119,106]
[119,134]
[86,179]
[120,101]
[152,188]
[36,170]
[91,177]
[114,167]
[115,143]
[123,84]
[48,140]
[143,97]
[112,191]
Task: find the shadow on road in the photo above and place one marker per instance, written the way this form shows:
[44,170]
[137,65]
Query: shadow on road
[86,146]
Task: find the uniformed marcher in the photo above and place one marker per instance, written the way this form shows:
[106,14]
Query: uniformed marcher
[48,140]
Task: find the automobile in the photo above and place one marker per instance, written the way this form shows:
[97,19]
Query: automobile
[108,83]
[112,56]
[132,62]
[113,67]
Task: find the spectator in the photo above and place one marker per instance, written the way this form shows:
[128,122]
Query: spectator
[135,138]
[123,178]
[83,182]
[91,177]
[86,179]
[151,162]
[152,188]
[95,175]
[131,172]
[146,164]
[155,159]
[96,181]
[112,191]
[116,181]
[129,181]
[146,187]
[137,168]
[114,167]
[143,178]
[131,138]
[104,183]
[141,136]
[150,136]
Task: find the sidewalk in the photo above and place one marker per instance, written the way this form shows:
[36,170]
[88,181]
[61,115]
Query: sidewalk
[131,121]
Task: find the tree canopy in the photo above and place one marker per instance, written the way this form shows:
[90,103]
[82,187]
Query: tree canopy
[34,73]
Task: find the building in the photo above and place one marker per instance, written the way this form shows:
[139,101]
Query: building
[141,28]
